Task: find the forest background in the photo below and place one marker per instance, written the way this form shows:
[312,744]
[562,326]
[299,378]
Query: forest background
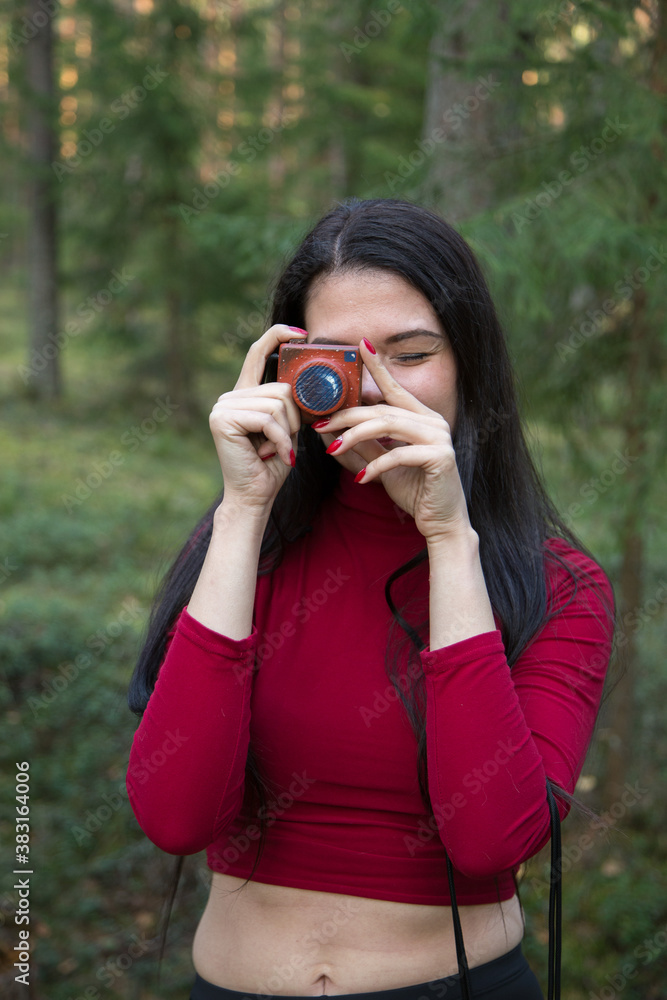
[159,162]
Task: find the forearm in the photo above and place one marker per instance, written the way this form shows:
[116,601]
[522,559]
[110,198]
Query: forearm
[487,777]
[459,605]
[224,595]
[495,735]
[187,764]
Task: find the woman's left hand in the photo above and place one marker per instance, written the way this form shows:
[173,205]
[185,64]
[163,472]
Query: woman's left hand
[421,476]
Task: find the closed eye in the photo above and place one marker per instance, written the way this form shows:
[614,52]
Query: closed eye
[412,357]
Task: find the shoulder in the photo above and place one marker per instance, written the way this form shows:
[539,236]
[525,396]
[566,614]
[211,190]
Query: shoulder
[574,578]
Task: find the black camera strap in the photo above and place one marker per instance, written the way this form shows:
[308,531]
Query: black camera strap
[555,899]
[466,991]
[555,911]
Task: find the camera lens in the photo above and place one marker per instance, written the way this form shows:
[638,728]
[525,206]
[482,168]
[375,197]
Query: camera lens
[319,389]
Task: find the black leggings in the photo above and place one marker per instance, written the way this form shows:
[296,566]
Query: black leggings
[506,978]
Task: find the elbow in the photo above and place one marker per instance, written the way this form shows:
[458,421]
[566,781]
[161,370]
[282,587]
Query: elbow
[506,854]
[479,865]
[172,836]
[175,841]
[168,831]
[179,831]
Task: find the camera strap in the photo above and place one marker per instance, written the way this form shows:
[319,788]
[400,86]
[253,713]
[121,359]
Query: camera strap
[555,899]
[555,911]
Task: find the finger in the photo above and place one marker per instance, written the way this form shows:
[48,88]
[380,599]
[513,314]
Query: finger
[394,393]
[248,422]
[283,408]
[258,353]
[400,425]
[418,456]
[391,418]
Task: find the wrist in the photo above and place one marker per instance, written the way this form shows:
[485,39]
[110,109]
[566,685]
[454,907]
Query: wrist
[460,536]
[240,517]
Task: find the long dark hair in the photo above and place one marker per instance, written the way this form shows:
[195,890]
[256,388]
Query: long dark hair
[507,504]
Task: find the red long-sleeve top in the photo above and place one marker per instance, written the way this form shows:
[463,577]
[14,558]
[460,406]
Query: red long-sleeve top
[309,689]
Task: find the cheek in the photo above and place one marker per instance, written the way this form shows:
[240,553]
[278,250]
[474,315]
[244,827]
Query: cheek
[432,389]
[439,393]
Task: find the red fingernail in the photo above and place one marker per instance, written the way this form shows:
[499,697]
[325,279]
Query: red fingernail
[292,457]
[265,457]
[321,423]
[369,346]
[334,446]
[360,475]
[297,329]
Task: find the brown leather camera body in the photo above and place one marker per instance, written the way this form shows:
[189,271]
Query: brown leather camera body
[324,377]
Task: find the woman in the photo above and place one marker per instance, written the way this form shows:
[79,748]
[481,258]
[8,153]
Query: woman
[386,629]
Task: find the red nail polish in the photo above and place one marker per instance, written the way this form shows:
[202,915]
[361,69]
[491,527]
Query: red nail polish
[334,446]
[360,475]
[292,457]
[369,346]
[321,423]
[267,457]
[297,329]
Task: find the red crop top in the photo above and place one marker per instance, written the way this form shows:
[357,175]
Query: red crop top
[308,687]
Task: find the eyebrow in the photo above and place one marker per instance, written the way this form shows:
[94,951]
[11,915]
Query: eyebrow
[394,339]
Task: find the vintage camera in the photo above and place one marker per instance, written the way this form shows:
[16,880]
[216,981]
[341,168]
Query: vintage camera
[324,377]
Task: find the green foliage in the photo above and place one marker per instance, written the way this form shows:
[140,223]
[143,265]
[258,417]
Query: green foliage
[261,116]
[73,612]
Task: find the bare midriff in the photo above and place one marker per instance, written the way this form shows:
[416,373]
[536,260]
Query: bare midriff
[282,941]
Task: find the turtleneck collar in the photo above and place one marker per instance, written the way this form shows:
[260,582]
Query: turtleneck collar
[372,499]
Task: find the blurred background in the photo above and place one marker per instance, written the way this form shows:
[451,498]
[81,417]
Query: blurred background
[160,160]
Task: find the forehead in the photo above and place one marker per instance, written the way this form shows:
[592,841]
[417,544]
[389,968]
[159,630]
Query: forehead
[368,301]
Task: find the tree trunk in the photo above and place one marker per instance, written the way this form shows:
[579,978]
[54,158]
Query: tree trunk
[465,127]
[275,112]
[448,136]
[180,334]
[620,721]
[336,153]
[44,365]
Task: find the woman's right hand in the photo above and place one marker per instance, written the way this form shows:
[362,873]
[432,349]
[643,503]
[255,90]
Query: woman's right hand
[254,421]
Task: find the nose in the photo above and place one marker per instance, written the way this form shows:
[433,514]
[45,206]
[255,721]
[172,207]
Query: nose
[371,394]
